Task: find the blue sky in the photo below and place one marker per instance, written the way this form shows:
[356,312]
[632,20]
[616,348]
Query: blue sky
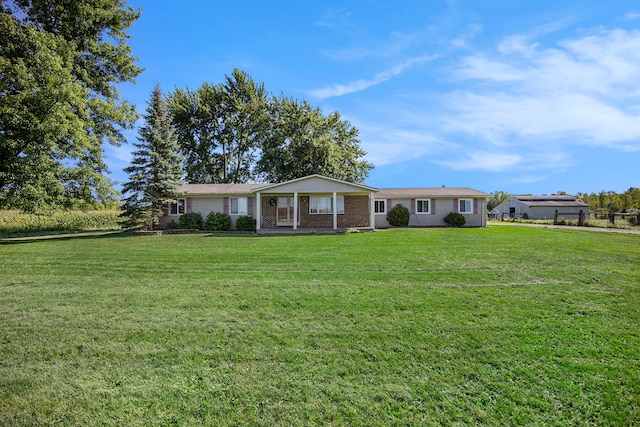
[522,96]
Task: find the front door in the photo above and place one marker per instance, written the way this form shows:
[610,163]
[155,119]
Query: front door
[285,211]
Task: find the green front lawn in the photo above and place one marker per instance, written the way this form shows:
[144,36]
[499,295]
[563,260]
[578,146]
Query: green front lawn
[495,326]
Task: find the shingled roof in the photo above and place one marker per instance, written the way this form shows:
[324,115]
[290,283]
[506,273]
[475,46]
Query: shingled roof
[430,192]
[219,189]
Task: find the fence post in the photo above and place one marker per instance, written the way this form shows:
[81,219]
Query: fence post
[581,218]
[555,218]
[612,218]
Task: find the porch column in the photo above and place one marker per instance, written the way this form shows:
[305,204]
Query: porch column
[258,210]
[335,211]
[295,210]
[372,210]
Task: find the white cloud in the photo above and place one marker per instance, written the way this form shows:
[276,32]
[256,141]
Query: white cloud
[362,84]
[385,146]
[484,161]
[581,91]
[629,16]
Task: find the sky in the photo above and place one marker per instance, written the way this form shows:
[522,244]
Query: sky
[521,96]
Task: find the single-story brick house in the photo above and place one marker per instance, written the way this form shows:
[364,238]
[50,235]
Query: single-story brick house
[541,207]
[308,204]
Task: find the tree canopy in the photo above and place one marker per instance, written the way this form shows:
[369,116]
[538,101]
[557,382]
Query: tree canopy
[220,128]
[302,141]
[236,132]
[59,63]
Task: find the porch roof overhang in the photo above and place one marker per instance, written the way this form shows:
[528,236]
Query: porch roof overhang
[317,184]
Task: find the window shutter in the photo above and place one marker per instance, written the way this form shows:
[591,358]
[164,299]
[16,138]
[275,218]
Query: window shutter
[412,208]
[433,206]
[388,207]
[250,206]
[455,205]
[226,206]
[475,206]
[189,205]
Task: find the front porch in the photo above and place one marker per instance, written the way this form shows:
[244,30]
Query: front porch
[312,205]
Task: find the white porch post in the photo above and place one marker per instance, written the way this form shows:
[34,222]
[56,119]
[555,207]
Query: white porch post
[295,210]
[372,209]
[335,211]
[258,210]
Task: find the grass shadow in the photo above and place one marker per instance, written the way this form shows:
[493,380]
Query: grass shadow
[67,235]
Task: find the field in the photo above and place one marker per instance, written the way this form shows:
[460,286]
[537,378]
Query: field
[497,326]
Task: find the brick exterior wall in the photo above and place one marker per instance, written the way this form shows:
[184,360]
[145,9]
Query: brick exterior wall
[356,214]
[268,213]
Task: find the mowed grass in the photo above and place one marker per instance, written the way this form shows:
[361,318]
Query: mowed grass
[495,326]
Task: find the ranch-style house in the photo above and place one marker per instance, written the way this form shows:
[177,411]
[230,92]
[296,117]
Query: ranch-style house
[320,203]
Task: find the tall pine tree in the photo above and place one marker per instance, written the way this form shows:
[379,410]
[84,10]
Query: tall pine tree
[156,169]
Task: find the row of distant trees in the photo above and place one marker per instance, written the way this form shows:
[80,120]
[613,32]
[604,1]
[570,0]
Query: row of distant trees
[608,201]
[612,201]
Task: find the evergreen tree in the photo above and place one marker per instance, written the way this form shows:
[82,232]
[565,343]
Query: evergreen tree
[155,172]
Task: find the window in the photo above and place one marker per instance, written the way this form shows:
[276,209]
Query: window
[465,206]
[422,206]
[380,206]
[324,205]
[238,206]
[177,207]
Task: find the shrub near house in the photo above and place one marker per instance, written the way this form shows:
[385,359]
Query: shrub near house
[455,219]
[398,216]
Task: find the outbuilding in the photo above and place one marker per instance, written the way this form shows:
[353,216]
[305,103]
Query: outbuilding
[542,207]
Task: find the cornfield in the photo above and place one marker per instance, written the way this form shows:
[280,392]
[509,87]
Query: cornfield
[16,222]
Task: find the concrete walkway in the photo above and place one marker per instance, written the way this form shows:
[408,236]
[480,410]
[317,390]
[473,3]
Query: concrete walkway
[563,227]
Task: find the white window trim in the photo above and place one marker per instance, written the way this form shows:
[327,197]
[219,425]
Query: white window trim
[330,198]
[470,212]
[176,202]
[384,202]
[428,211]
[242,206]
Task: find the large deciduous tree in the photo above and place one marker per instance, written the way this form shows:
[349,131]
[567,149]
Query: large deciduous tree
[302,141]
[234,132]
[220,128]
[59,63]
[156,171]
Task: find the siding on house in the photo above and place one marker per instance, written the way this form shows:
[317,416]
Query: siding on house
[442,201]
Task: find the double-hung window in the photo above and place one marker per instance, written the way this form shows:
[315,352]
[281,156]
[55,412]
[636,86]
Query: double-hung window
[324,205]
[465,206]
[380,206]
[423,206]
[238,206]
[177,207]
